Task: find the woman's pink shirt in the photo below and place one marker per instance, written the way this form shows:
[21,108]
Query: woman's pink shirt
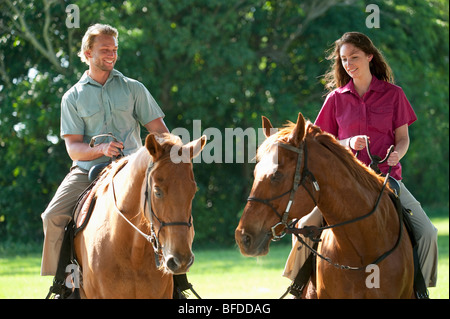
[382,109]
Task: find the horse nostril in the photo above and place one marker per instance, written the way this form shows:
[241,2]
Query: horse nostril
[181,264]
[173,263]
[246,240]
[191,261]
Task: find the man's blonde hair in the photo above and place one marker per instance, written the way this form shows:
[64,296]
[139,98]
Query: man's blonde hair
[91,33]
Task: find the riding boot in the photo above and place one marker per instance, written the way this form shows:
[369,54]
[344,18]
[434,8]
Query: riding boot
[180,285]
[59,288]
[302,278]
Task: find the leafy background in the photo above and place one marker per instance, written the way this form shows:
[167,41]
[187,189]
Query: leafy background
[225,63]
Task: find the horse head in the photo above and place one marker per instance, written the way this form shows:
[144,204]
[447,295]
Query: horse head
[276,178]
[170,189]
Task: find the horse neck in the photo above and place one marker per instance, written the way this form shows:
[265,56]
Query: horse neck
[130,186]
[342,196]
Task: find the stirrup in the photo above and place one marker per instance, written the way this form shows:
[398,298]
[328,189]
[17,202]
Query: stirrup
[422,294]
[296,290]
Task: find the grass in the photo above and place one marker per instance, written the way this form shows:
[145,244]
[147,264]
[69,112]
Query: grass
[226,274]
[216,273]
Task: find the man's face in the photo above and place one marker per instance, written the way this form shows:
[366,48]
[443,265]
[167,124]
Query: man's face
[103,54]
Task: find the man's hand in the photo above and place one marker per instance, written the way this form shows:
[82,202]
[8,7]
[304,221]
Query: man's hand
[111,149]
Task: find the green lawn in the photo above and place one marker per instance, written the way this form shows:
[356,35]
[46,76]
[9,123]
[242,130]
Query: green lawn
[226,273]
[216,273]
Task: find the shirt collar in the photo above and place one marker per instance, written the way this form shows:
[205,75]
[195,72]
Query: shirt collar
[375,85]
[85,79]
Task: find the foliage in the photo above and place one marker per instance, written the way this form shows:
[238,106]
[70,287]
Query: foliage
[225,63]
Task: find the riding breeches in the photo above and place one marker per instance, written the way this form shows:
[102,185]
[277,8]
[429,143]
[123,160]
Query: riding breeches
[57,216]
[424,231]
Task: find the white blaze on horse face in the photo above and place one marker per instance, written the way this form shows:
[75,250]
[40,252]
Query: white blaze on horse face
[267,165]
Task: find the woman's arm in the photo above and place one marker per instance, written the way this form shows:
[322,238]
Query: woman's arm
[401,145]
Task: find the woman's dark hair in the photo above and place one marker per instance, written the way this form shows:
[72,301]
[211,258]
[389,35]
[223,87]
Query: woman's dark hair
[337,76]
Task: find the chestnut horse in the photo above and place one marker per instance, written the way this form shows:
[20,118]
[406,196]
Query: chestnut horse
[140,233]
[328,176]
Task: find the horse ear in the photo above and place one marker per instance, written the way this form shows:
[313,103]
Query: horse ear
[267,126]
[153,147]
[196,146]
[298,132]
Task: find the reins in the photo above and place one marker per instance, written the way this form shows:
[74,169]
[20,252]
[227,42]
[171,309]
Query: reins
[374,159]
[313,232]
[147,237]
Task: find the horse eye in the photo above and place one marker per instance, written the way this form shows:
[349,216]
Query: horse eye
[276,177]
[158,192]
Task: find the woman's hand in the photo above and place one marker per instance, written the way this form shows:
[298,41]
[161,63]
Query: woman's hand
[393,159]
[358,142]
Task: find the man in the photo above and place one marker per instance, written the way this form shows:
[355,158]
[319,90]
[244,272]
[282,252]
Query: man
[102,101]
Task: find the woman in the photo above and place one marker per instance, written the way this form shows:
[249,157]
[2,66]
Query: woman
[365,104]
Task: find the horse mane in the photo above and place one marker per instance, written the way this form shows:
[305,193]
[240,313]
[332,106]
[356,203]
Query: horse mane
[281,136]
[363,174]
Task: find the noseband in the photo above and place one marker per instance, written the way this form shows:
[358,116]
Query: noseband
[299,179]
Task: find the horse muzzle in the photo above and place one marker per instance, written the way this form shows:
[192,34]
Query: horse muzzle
[178,264]
[253,244]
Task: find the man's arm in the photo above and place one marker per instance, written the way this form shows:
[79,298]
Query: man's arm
[157,126]
[79,151]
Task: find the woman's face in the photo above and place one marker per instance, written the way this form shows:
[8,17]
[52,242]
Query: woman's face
[355,61]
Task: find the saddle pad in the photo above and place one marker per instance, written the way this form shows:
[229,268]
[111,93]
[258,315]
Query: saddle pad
[86,201]
[82,208]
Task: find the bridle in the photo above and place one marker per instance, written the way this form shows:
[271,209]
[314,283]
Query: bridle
[299,179]
[313,232]
[153,238]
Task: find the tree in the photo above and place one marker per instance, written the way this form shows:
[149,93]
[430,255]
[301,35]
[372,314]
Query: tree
[225,63]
